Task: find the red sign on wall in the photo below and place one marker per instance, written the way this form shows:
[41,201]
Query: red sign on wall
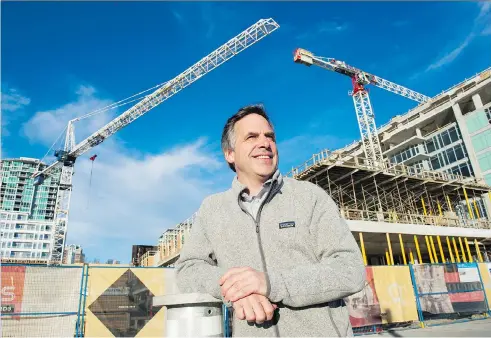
[12,288]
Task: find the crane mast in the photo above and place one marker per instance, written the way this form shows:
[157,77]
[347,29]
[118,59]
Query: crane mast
[66,158]
[361,99]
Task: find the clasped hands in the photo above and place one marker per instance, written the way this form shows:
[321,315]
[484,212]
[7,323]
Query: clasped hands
[246,288]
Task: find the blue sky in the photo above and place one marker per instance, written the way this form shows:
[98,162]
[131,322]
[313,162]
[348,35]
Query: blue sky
[61,60]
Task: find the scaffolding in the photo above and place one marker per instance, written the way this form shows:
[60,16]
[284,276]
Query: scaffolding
[171,242]
[397,193]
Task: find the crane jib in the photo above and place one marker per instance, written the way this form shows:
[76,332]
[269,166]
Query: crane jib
[231,48]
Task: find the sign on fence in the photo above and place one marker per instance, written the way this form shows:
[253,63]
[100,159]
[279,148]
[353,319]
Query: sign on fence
[449,289]
[396,294]
[12,288]
[40,301]
[120,302]
[388,297]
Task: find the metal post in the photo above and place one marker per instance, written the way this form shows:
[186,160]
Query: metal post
[457,255]
[441,248]
[82,325]
[449,204]
[471,215]
[416,295]
[435,257]
[468,250]
[418,250]
[429,249]
[402,250]
[362,244]
[450,250]
[462,250]
[478,251]
[77,326]
[423,204]
[354,192]
[411,258]
[390,248]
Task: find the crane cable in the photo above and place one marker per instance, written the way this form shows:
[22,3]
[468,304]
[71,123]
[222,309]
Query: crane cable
[92,159]
[116,104]
[98,111]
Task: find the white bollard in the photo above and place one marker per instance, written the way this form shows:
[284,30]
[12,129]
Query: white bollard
[192,315]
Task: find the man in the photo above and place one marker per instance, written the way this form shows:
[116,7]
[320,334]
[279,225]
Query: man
[274,247]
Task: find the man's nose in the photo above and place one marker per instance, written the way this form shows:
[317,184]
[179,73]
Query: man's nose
[265,142]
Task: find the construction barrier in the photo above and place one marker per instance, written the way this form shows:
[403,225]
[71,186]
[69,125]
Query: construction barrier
[114,301]
[387,298]
[120,301]
[485,272]
[40,301]
[449,292]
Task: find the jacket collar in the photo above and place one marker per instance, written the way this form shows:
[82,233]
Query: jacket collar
[276,179]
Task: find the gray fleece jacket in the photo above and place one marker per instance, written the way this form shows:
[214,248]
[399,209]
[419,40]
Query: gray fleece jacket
[299,240]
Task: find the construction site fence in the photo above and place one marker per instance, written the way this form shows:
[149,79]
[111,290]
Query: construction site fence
[115,301]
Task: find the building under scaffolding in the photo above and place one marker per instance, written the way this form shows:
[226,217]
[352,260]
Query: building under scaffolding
[426,212]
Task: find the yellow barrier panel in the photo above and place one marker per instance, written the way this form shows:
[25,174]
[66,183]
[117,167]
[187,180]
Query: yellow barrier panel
[108,302]
[485,271]
[395,293]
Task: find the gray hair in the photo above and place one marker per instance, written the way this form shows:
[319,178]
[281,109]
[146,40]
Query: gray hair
[228,133]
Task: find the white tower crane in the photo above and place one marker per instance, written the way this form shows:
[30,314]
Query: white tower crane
[66,158]
[361,100]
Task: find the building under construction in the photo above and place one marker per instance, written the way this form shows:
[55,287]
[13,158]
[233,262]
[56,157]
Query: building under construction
[427,200]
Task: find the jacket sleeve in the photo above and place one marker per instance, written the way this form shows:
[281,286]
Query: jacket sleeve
[339,271]
[196,268]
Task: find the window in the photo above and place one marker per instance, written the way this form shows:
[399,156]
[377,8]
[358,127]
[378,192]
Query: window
[435,164]
[453,134]
[430,146]
[451,155]
[446,138]
[464,169]
[459,152]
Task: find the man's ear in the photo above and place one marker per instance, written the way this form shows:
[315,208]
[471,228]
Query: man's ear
[230,156]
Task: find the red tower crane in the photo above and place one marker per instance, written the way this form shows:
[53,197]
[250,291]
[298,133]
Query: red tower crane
[361,100]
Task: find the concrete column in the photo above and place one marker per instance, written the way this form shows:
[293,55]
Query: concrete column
[469,147]
[476,98]
[418,132]
[467,140]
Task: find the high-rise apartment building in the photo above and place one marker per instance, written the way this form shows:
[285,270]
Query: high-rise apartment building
[26,211]
[73,254]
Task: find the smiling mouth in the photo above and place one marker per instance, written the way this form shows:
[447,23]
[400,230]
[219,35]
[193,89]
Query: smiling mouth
[264,156]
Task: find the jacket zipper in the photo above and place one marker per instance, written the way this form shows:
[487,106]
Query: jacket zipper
[258,234]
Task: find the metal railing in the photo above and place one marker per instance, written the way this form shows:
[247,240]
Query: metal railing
[406,218]
[327,158]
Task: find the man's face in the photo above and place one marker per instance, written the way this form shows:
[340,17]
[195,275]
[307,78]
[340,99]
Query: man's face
[255,153]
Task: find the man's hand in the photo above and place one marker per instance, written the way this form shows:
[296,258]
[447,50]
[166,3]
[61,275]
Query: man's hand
[238,283]
[254,308]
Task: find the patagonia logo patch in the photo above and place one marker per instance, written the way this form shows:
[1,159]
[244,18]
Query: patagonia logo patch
[284,225]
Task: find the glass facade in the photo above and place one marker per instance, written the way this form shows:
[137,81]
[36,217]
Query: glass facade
[479,126]
[445,150]
[27,211]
